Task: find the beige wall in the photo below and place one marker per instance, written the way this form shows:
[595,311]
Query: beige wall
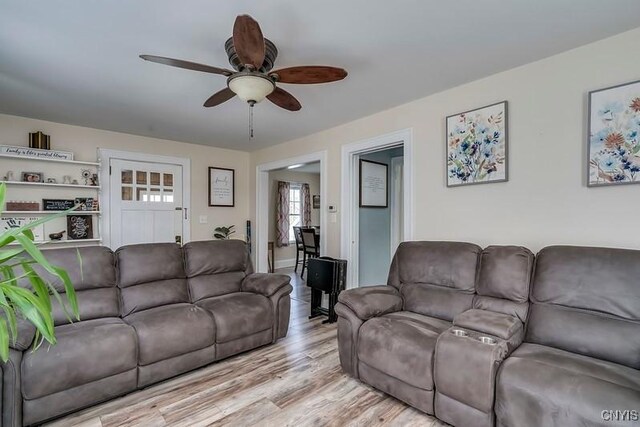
[546,200]
[288,253]
[84,142]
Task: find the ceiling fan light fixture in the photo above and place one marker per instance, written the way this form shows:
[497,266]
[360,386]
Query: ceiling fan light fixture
[251,88]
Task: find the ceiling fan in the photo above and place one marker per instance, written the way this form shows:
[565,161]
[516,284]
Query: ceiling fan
[252,57]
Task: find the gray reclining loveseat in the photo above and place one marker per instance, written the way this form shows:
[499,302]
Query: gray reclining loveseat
[500,337]
[148,312]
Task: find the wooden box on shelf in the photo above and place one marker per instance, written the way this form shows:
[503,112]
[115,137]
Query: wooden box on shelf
[22,206]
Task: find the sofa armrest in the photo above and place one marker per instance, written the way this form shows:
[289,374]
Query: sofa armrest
[489,322]
[371,301]
[265,284]
[26,334]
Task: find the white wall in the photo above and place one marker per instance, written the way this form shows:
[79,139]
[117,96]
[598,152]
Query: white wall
[285,256]
[546,200]
[84,143]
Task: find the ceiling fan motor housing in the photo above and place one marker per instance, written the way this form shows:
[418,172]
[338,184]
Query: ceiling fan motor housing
[271,53]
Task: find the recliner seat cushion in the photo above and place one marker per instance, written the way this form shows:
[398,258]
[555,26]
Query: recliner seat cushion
[540,385]
[86,351]
[401,345]
[239,314]
[171,330]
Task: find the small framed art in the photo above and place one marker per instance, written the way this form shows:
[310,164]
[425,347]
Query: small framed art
[221,187]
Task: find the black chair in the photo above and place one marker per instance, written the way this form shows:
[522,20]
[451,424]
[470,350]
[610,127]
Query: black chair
[297,232]
[311,244]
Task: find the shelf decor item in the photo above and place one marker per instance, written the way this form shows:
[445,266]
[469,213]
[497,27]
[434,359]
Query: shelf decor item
[84,204]
[614,135]
[13,151]
[221,187]
[22,206]
[477,146]
[57,204]
[32,177]
[57,236]
[39,140]
[14,222]
[374,191]
[79,227]
[22,304]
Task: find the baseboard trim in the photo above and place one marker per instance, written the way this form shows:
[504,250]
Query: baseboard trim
[284,263]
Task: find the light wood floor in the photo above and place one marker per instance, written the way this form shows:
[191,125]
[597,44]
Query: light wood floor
[295,382]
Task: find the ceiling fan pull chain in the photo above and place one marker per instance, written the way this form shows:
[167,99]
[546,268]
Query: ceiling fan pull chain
[251,120]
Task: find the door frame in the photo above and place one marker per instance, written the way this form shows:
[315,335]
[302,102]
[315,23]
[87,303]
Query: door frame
[262,203]
[349,220]
[104,157]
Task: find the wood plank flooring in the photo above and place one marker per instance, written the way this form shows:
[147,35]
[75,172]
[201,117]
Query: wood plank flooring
[295,382]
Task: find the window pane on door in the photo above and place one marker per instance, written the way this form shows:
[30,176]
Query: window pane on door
[168,179]
[141,177]
[127,177]
[127,193]
[154,178]
[167,196]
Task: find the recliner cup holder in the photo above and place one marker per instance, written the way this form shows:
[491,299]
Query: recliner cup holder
[487,340]
[459,333]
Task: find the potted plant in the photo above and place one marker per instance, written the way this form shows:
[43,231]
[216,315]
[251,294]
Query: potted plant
[223,233]
[18,256]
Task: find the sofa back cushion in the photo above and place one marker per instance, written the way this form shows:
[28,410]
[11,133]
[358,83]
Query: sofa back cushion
[503,280]
[587,301]
[435,278]
[151,275]
[215,267]
[93,275]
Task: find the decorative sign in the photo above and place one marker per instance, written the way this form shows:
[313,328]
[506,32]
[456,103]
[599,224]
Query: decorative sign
[373,184]
[79,227]
[57,204]
[221,187]
[35,152]
[9,222]
[84,204]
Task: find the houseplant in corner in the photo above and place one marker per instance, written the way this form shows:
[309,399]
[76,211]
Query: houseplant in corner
[223,233]
[18,257]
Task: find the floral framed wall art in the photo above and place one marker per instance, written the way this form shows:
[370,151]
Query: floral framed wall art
[614,135]
[477,146]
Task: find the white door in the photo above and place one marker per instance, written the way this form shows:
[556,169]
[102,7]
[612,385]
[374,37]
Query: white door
[145,203]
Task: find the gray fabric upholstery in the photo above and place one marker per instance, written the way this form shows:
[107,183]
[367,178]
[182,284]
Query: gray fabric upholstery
[239,314]
[544,386]
[26,333]
[215,267]
[587,301]
[348,330]
[160,329]
[371,301]
[489,322]
[511,308]
[138,326]
[151,275]
[264,283]
[401,345]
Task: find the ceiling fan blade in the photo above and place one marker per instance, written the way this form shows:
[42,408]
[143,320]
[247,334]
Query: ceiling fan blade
[310,74]
[248,41]
[284,99]
[219,97]
[187,64]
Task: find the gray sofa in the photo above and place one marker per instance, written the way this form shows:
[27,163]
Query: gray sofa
[500,337]
[148,313]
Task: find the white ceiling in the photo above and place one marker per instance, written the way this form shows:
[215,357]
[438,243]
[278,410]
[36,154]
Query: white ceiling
[77,61]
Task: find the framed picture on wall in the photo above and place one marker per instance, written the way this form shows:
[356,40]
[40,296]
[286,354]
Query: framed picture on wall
[374,191]
[477,146]
[79,227]
[316,201]
[221,187]
[614,135]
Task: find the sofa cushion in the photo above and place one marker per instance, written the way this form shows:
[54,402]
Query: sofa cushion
[541,385]
[587,301]
[151,275]
[239,314]
[86,351]
[171,330]
[402,345]
[505,272]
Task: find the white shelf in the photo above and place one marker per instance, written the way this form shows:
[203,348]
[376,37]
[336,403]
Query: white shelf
[39,159]
[49,184]
[49,212]
[60,242]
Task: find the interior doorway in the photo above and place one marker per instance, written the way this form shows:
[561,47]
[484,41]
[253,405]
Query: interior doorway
[370,235]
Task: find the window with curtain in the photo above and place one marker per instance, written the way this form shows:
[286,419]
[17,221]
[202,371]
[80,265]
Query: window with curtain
[295,210]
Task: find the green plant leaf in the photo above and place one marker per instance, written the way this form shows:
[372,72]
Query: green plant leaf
[4,340]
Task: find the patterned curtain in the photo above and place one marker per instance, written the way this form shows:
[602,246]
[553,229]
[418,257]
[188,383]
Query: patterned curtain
[282,214]
[305,195]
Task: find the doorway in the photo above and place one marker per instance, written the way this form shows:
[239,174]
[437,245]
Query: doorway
[390,227]
[145,199]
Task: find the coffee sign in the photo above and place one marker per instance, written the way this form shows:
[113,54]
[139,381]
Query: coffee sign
[57,204]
